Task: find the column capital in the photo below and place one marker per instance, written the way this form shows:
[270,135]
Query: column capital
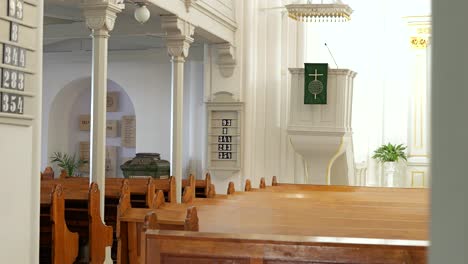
[178,35]
[101,14]
[226,58]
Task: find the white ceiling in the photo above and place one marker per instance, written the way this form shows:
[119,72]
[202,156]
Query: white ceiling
[65,30]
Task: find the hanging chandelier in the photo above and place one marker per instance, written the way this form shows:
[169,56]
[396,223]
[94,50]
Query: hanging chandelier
[330,11]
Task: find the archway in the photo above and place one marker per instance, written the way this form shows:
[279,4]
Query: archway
[66,123]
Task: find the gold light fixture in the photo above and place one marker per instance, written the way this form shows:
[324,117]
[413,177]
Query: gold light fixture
[325,11]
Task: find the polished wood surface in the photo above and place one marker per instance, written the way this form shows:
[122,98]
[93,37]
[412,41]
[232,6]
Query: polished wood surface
[300,224]
[174,247]
[64,242]
[131,222]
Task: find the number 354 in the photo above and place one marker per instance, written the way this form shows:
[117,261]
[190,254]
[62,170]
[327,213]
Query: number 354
[12,103]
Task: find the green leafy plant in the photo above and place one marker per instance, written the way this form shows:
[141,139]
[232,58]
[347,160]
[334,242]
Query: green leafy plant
[67,162]
[390,153]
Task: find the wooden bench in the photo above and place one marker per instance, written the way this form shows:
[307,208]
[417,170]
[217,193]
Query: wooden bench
[64,244]
[131,221]
[75,192]
[173,247]
[326,211]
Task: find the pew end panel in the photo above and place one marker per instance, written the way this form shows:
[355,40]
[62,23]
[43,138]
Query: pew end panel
[211,191]
[188,196]
[207,184]
[231,188]
[150,192]
[100,235]
[248,185]
[64,243]
[191,220]
[262,183]
[274,181]
[158,200]
[172,190]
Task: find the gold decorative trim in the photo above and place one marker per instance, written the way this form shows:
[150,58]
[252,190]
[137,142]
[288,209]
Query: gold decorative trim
[419,42]
[423,175]
[419,156]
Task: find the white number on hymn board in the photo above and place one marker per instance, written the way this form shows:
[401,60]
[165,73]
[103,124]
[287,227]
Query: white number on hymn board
[15,9]
[14,32]
[222,139]
[225,155]
[12,103]
[14,56]
[226,122]
[224,147]
[12,79]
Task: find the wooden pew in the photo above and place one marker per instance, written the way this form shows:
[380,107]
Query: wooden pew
[76,209]
[393,223]
[163,246]
[131,221]
[64,242]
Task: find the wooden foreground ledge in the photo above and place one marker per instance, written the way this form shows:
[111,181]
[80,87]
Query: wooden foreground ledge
[163,246]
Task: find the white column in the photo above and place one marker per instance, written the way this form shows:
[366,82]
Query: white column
[417,174]
[178,40]
[100,18]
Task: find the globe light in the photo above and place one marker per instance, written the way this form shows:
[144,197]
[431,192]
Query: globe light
[142,14]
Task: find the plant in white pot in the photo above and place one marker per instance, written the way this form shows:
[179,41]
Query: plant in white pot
[389,155]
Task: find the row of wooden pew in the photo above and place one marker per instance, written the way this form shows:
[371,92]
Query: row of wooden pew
[282,223]
[289,223]
[120,196]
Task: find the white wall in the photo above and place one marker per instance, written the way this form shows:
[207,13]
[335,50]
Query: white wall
[146,78]
[67,132]
[375,44]
[269,42]
[18,201]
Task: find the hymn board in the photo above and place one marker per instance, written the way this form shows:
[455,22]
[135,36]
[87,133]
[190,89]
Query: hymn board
[18,39]
[224,135]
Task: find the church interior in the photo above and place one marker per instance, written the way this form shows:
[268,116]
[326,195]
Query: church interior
[233,131]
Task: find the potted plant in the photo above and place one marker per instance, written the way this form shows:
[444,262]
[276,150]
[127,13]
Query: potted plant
[389,155]
[68,163]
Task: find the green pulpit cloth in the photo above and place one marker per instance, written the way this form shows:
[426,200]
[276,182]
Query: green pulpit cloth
[315,83]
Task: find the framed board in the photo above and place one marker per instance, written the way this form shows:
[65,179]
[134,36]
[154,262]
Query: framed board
[18,22]
[224,135]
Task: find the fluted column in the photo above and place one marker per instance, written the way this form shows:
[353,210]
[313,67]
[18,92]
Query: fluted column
[178,40]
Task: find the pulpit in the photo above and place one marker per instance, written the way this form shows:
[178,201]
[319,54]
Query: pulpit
[321,133]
